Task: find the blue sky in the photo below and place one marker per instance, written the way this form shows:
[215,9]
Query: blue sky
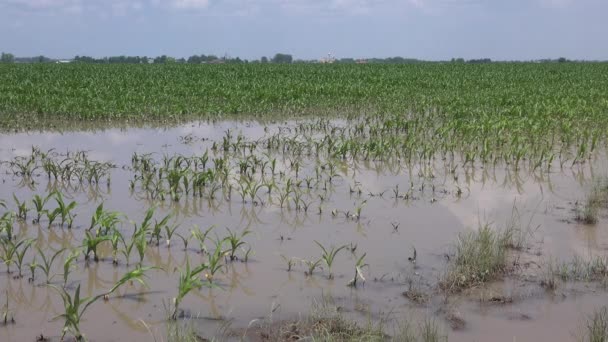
[426,29]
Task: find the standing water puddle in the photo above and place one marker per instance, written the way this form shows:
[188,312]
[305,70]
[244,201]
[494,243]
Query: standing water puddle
[430,210]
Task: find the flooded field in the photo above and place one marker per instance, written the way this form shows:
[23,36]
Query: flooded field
[263,222]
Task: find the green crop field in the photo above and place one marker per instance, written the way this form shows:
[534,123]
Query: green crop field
[85,91]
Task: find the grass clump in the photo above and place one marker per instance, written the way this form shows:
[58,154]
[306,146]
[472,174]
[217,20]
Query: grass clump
[580,269]
[327,323]
[588,211]
[595,328]
[480,256]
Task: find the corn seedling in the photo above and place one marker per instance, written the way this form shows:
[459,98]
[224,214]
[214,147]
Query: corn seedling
[91,243]
[20,254]
[75,306]
[7,316]
[311,266]
[11,252]
[22,208]
[359,265]
[201,237]
[68,265]
[65,209]
[39,203]
[189,279]
[289,261]
[328,256]
[47,263]
[235,242]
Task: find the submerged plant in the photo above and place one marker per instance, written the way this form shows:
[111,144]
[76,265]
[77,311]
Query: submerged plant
[91,243]
[329,255]
[75,306]
[11,252]
[47,263]
[235,241]
[189,279]
[359,265]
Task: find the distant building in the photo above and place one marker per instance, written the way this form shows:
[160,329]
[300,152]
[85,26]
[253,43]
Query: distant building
[329,59]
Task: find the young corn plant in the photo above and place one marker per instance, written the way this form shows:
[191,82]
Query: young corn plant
[115,238]
[103,220]
[311,266]
[6,313]
[185,240]
[22,208]
[39,202]
[11,252]
[33,265]
[75,306]
[157,229]
[68,265]
[20,255]
[141,243]
[128,247]
[65,209]
[189,280]
[47,263]
[215,260]
[329,255]
[359,265]
[52,215]
[289,261]
[6,226]
[235,242]
[91,243]
[201,237]
[169,231]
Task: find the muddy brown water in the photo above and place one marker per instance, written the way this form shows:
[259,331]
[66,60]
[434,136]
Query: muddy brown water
[262,290]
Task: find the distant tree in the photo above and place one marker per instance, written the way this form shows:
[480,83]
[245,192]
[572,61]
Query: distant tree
[264,59]
[562,60]
[194,59]
[457,60]
[282,58]
[479,61]
[7,58]
[162,59]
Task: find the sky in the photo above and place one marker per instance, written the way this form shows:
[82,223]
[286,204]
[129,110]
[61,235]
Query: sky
[308,29]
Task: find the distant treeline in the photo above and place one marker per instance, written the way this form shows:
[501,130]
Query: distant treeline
[278,58]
